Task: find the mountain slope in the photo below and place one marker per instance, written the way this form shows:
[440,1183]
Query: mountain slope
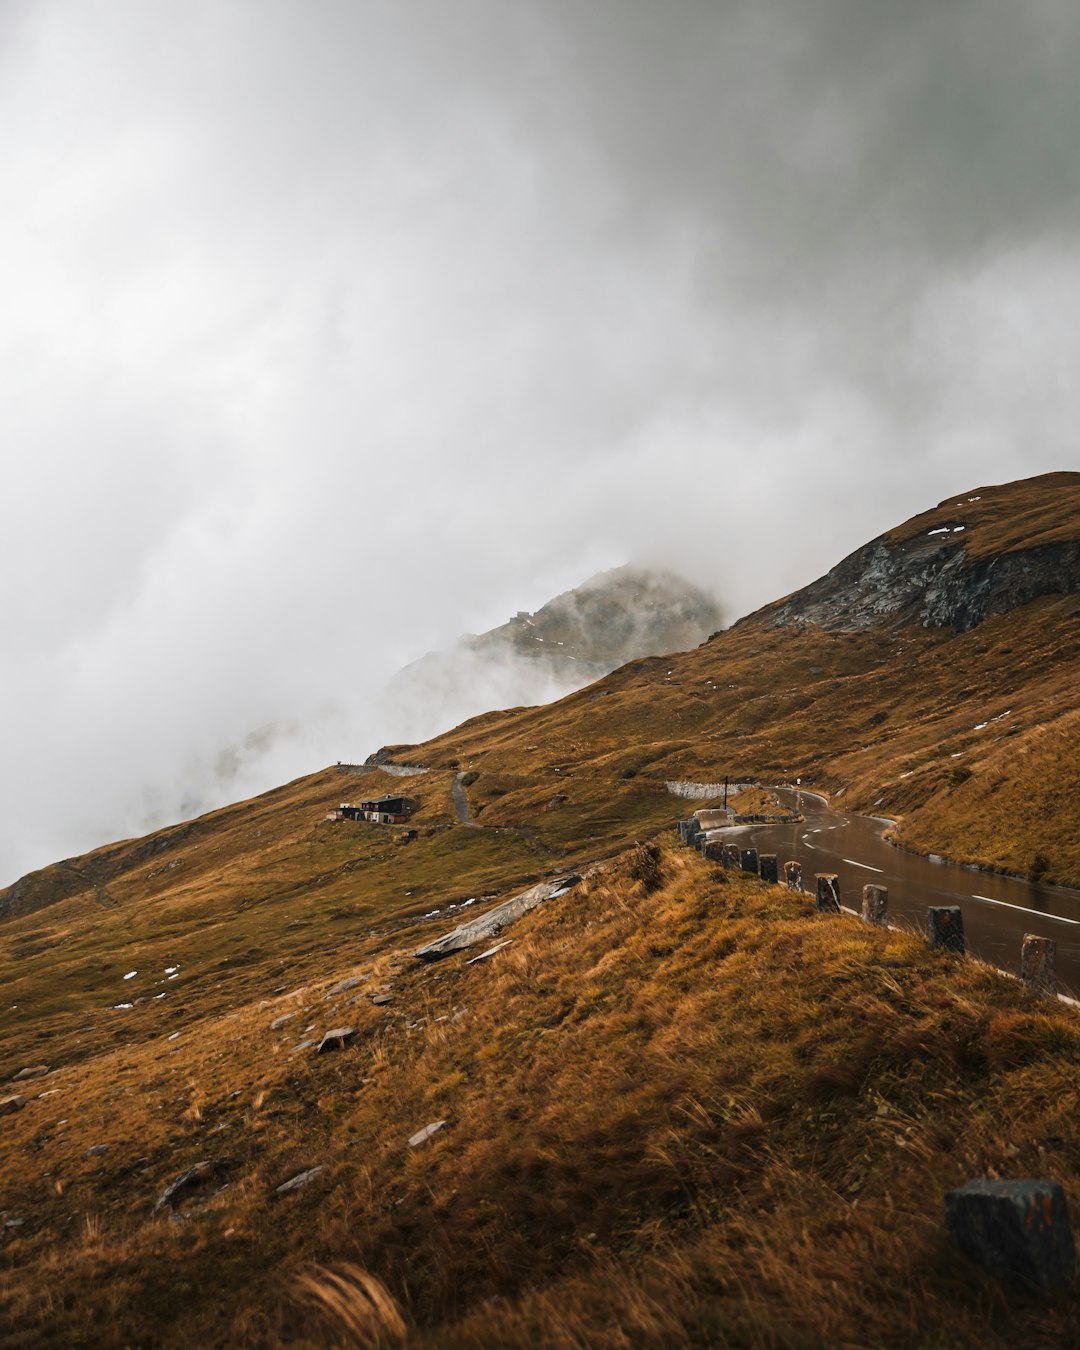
[679,1108]
[572,640]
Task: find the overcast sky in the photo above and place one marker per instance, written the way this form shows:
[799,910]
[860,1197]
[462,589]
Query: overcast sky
[331,330]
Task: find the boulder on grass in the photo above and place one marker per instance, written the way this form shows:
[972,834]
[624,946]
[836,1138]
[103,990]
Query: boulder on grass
[1016,1230]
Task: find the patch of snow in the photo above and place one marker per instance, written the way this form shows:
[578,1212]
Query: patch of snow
[974,499]
[131,974]
[171,970]
[123,1005]
[957,755]
[174,1037]
[942,529]
[172,977]
[467,903]
[958,528]
[981,725]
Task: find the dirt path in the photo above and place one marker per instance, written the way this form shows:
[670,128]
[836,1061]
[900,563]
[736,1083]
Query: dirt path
[461,803]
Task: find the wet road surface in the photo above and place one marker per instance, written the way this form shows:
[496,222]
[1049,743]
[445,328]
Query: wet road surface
[997,910]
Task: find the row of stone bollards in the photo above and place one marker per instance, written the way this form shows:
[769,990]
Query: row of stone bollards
[1018,1231]
[944,923]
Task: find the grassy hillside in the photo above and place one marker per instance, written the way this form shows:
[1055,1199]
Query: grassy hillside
[696,1114]
[700,1116]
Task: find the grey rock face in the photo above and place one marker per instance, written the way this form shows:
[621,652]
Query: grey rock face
[928,580]
[1016,1230]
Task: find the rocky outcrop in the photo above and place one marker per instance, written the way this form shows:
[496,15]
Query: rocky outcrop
[493,921]
[929,580]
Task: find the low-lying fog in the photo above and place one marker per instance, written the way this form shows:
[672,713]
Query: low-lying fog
[330,333]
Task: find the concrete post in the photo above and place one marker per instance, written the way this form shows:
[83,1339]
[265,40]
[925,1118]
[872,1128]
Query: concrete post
[731,855]
[714,852]
[793,875]
[1038,956]
[684,831]
[767,867]
[748,860]
[875,905]
[945,928]
[828,892]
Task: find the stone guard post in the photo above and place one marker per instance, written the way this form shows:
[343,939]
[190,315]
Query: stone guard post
[828,892]
[875,905]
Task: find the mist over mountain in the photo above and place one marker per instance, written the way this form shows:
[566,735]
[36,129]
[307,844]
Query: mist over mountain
[533,658]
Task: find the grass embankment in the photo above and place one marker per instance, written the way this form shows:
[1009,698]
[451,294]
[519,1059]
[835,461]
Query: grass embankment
[701,1116]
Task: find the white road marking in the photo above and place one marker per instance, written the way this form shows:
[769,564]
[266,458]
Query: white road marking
[1037,913]
[864,865]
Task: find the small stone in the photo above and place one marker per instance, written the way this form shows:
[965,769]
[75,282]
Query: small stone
[422,1136]
[301,1179]
[1016,1230]
[97,1151]
[36,1071]
[945,927]
[381,1000]
[336,1039]
[490,952]
[303,1045]
[342,986]
[285,1017]
[9,1105]
[194,1176]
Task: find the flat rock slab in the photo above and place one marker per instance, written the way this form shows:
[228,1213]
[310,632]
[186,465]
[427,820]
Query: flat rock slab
[285,1017]
[342,986]
[336,1039]
[35,1071]
[9,1105]
[1016,1230]
[490,952]
[428,1132]
[194,1176]
[490,924]
[299,1181]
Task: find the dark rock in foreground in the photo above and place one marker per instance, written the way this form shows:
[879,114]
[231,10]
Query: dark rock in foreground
[1016,1230]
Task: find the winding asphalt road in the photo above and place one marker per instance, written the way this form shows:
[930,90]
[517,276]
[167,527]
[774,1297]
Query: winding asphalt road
[998,910]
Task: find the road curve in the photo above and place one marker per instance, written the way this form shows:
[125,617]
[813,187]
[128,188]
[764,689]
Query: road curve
[998,910]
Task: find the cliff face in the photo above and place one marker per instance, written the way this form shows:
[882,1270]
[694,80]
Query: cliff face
[931,582]
[955,566]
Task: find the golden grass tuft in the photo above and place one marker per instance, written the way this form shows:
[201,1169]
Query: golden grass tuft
[353,1302]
